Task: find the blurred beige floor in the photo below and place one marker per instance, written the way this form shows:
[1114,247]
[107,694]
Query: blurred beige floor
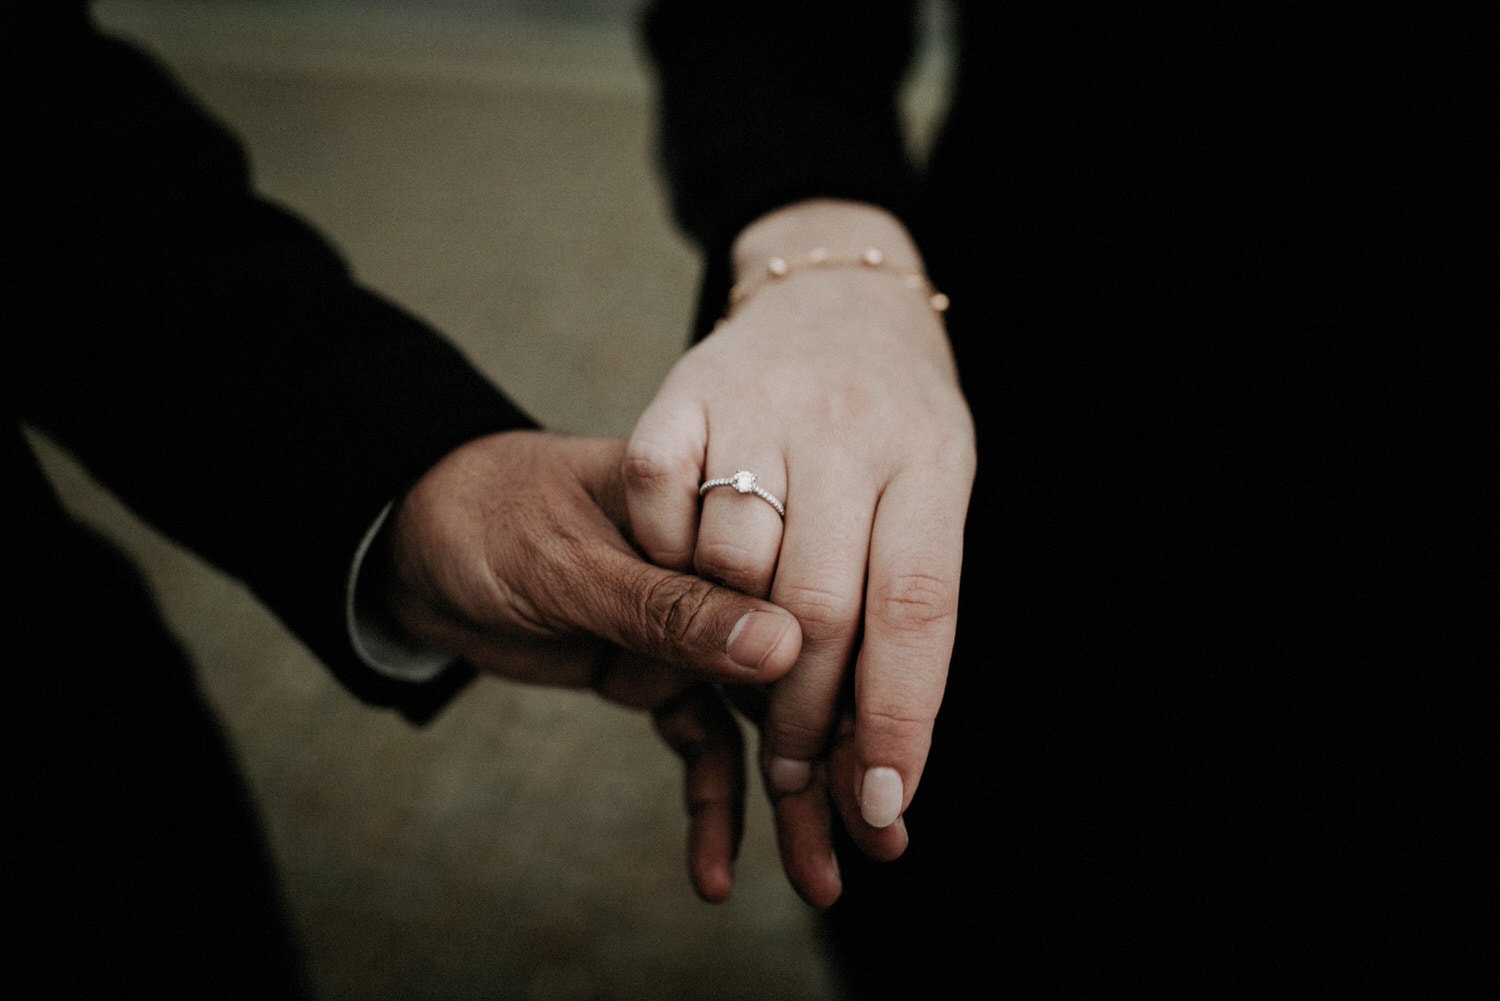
[493,174]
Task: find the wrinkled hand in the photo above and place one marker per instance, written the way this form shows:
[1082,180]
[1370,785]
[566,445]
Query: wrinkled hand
[510,554]
[835,385]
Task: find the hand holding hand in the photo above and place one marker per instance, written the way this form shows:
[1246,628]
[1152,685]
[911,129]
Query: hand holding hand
[835,385]
[510,554]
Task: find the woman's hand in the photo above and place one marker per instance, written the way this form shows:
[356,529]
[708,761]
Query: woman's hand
[833,384]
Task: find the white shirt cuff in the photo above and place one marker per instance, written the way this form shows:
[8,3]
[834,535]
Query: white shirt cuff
[382,651]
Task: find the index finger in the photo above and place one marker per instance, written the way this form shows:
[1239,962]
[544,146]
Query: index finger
[911,613]
[662,466]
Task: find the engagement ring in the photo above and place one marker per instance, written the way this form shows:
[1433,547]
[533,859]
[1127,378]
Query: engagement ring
[743,482]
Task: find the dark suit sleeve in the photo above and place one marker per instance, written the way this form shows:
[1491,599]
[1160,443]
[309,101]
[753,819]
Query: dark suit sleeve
[208,355]
[761,105]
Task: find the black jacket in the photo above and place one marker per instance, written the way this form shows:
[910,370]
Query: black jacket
[204,352]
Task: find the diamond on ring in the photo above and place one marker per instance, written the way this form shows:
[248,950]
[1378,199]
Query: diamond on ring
[744,482]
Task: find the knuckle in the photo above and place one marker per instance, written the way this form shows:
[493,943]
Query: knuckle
[955,449]
[674,607]
[915,601]
[896,715]
[824,614]
[645,467]
[726,559]
[901,719]
[798,737]
[947,446]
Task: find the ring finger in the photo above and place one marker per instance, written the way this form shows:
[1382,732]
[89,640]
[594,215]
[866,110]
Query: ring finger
[740,525]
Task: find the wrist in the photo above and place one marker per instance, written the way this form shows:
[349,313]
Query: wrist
[825,235]
[872,260]
[843,229]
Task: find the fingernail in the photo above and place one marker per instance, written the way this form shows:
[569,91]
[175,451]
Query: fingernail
[755,637]
[788,776]
[880,797]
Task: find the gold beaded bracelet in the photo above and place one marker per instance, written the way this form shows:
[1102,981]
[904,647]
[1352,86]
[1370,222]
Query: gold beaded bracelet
[779,267]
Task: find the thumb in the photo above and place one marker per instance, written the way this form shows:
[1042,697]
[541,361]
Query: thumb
[686,621]
[673,617]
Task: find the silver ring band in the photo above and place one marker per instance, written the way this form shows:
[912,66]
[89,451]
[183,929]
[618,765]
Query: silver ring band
[743,482]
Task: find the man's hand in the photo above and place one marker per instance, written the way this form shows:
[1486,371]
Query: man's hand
[511,554]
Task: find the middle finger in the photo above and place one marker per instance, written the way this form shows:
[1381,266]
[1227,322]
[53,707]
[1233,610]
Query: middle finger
[820,580]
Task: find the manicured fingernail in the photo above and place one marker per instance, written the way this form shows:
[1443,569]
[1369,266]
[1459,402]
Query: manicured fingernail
[880,797]
[788,776]
[755,637]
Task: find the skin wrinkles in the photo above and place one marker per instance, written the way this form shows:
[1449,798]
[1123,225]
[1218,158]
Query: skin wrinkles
[725,559]
[916,601]
[677,605]
[827,616]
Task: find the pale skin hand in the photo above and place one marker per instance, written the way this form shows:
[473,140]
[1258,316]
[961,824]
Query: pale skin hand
[837,388]
[510,554]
